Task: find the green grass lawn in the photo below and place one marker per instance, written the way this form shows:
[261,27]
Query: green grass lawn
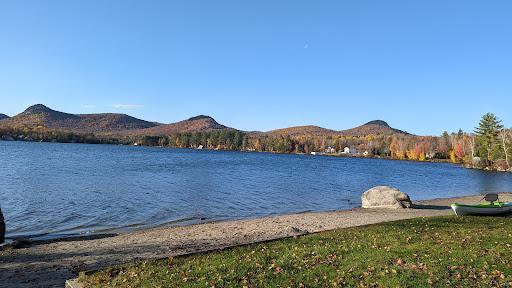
[441,251]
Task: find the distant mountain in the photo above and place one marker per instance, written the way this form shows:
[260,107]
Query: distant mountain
[295,131]
[199,123]
[375,127]
[40,115]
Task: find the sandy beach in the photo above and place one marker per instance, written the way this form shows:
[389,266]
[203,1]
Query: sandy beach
[50,264]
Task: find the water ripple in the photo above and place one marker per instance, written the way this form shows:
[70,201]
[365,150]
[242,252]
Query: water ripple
[53,190]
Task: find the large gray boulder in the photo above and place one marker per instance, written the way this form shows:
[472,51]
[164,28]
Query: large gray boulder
[385,197]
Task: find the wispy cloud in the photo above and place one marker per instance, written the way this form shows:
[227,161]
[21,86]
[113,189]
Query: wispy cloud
[88,106]
[128,106]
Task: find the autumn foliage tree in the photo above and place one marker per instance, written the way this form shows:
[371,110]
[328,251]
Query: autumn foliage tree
[459,152]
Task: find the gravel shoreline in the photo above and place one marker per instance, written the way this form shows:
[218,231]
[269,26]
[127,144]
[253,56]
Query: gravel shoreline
[51,263]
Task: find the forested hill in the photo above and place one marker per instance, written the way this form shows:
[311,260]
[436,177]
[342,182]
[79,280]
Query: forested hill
[195,124]
[41,116]
[299,131]
[375,128]
[121,124]
[3,116]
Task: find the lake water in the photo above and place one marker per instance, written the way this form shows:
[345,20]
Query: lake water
[52,190]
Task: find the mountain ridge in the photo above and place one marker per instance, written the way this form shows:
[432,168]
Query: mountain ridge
[200,123]
[374,127]
[41,115]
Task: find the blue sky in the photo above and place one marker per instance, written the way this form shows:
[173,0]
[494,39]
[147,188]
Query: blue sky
[423,66]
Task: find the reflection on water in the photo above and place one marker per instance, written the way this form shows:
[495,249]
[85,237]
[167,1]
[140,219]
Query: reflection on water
[71,189]
[485,181]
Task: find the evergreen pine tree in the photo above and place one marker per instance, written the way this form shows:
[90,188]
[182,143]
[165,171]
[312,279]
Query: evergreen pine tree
[487,133]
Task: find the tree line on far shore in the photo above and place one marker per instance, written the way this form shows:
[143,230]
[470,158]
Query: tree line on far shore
[488,146]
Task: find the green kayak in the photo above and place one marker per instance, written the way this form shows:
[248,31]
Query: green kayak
[495,208]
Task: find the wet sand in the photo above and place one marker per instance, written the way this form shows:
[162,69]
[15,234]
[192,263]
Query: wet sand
[50,264]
